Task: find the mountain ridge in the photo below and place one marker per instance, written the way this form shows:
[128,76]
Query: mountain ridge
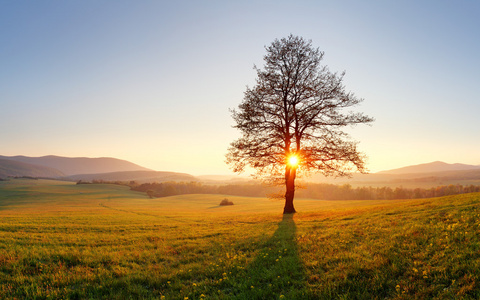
[113,169]
[79,165]
[432,167]
[16,168]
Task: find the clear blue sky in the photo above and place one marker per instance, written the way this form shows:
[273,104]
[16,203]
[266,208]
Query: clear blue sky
[152,81]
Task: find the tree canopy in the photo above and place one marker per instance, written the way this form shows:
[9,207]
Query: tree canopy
[297,108]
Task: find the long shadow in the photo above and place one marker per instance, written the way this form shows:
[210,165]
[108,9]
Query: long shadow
[277,272]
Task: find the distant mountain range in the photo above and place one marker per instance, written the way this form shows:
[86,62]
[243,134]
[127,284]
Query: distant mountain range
[434,173]
[79,165]
[18,168]
[112,169]
[83,168]
[432,167]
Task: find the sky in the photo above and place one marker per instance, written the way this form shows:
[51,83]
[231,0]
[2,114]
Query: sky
[152,82]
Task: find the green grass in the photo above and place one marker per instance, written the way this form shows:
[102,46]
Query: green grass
[61,240]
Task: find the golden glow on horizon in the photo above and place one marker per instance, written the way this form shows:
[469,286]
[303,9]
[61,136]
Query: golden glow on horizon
[293,161]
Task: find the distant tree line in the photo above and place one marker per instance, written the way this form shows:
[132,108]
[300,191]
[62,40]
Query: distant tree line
[321,191]
[165,189]
[101,181]
[347,192]
[313,191]
[26,177]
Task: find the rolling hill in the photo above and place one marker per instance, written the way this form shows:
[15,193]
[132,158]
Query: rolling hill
[17,168]
[112,169]
[79,165]
[57,236]
[433,167]
[429,174]
[85,169]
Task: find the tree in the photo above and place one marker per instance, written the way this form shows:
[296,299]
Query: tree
[293,119]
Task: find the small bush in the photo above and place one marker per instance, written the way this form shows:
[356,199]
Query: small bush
[82,182]
[226,202]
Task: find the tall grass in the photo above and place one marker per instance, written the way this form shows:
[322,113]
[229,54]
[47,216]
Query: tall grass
[59,240]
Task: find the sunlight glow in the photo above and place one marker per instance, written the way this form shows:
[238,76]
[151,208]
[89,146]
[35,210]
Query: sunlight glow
[293,161]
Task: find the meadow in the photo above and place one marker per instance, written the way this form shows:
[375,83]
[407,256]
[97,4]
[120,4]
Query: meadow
[61,240]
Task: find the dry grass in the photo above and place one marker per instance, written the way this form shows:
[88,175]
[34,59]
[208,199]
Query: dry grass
[60,240]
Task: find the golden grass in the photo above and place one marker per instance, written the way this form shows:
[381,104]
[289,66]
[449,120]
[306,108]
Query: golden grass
[61,240]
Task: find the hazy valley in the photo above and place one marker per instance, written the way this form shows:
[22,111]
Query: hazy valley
[112,169]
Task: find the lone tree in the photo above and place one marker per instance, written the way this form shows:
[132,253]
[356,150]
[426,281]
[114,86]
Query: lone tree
[293,118]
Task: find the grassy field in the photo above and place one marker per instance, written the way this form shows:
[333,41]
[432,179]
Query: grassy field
[61,240]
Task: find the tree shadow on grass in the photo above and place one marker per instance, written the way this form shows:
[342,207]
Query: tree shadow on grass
[277,272]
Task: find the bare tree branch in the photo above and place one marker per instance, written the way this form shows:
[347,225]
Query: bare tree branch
[297,107]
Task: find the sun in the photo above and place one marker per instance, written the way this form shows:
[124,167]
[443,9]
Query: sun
[293,161]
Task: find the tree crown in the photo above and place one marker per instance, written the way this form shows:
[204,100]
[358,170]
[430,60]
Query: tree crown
[297,106]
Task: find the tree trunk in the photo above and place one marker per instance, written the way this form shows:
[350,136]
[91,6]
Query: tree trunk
[290,174]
